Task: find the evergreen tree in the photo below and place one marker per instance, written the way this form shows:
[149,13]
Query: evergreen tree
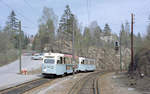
[66,23]
[107,30]
[11,28]
[12,22]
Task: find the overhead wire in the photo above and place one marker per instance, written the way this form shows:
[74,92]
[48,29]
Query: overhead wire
[17,12]
[30,6]
[88,11]
[28,3]
[7,5]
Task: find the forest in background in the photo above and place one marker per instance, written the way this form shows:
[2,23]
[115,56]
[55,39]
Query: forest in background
[9,40]
[54,35]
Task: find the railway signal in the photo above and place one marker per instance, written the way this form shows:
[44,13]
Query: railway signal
[116,45]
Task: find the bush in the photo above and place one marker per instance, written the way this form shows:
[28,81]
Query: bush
[9,56]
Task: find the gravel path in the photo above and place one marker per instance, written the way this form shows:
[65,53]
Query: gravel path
[27,63]
[112,84]
[9,73]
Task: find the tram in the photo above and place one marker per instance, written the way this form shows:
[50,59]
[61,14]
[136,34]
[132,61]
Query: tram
[86,64]
[57,64]
[61,64]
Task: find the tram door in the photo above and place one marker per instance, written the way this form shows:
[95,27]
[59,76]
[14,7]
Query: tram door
[62,60]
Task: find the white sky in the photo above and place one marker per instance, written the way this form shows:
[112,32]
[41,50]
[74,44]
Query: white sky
[113,12]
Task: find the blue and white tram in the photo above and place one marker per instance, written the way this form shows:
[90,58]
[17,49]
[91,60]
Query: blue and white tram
[56,64]
[81,65]
[86,64]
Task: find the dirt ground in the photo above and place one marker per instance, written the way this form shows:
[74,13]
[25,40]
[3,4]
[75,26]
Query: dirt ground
[142,85]
[58,86]
[110,83]
[115,84]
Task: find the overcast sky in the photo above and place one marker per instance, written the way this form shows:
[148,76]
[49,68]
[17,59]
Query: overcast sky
[113,12]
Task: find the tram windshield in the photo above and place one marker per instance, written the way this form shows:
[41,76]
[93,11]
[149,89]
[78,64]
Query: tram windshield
[49,61]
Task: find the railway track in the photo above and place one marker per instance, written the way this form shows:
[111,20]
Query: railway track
[22,88]
[87,85]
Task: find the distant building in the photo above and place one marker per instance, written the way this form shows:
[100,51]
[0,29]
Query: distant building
[108,38]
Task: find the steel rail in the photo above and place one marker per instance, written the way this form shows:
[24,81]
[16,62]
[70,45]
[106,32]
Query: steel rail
[77,87]
[24,87]
[96,86]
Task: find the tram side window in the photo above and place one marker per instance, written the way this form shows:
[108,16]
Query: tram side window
[61,59]
[85,62]
[90,62]
[82,62]
[64,61]
[58,61]
[68,60]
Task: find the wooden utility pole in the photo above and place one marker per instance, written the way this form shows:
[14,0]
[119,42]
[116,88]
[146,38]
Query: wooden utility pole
[132,50]
[120,51]
[20,47]
[73,51]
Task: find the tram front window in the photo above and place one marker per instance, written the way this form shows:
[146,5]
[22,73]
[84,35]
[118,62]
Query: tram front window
[49,61]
